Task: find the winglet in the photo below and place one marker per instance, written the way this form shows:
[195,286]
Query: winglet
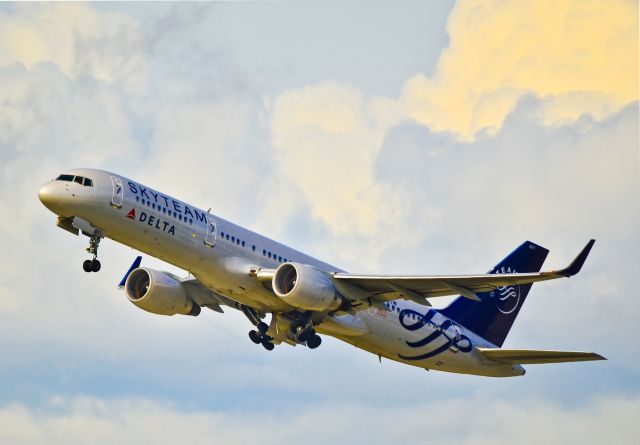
[135,265]
[577,263]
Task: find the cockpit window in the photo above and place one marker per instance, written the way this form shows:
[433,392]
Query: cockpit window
[86,182]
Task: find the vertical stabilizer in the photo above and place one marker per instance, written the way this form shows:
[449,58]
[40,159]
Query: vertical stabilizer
[493,316]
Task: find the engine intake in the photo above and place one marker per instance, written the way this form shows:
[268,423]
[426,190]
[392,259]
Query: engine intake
[159,293]
[306,287]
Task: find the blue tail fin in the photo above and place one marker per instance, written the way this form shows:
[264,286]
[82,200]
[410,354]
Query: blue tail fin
[493,316]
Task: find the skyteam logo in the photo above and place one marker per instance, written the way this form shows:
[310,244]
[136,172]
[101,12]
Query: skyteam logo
[508,297]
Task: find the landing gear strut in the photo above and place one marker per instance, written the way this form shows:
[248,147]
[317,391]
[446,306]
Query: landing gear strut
[92,265]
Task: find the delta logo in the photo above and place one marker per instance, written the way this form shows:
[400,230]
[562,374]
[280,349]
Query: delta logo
[153,221]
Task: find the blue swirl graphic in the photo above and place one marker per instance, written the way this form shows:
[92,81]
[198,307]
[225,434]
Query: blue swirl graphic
[416,320]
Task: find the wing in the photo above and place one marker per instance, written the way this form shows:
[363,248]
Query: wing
[419,288]
[528,356]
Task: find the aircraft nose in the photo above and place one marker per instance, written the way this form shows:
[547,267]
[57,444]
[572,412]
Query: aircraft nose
[50,196]
[46,195]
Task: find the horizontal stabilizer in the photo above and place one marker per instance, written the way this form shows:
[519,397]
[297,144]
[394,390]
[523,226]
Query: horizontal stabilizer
[531,356]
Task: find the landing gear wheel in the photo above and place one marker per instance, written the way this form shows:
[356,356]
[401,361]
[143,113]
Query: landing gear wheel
[268,345]
[262,327]
[305,336]
[314,342]
[255,337]
[87,266]
[95,266]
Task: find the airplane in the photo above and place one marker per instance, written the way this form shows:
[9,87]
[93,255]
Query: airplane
[390,316]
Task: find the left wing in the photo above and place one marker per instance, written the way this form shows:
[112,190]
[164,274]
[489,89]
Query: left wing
[529,356]
[419,288]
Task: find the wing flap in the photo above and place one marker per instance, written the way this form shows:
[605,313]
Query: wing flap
[532,356]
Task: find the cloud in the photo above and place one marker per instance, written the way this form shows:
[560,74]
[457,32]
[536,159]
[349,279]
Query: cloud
[581,55]
[466,421]
[354,179]
[76,38]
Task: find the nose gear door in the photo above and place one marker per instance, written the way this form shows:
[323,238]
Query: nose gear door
[118,192]
[210,237]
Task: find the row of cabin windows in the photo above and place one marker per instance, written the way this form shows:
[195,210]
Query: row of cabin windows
[240,242]
[233,239]
[278,258]
[164,210]
[393,307]
[86,182]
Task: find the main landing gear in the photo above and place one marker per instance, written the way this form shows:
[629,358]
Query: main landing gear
[259,336]
[307,336]
[92,265]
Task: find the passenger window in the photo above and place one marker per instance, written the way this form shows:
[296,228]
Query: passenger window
[280,259]
[233,239]
[180,217]
[243,244]
[264,252]
[137,199]
[238,242]
[67,178]
[88,182]
[153,206]
[269,254]
[78,179]
[253,248]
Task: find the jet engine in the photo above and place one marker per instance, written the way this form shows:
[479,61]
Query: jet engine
[159,293]
[306,287]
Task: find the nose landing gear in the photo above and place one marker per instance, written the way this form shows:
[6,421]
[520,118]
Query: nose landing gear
[92,265]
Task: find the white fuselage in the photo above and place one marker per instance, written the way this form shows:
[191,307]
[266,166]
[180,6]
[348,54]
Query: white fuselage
[220,254]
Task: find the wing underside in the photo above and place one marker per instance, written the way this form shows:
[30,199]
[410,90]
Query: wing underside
[529,356]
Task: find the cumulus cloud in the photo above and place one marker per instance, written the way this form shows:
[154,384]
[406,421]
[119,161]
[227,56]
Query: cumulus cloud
[582,56]
[77,39]
[466,421]
[365,182]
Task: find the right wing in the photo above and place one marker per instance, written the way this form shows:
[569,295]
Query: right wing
[419,288]
[530,356]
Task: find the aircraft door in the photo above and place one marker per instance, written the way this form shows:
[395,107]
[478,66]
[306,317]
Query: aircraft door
[210,237]
[118,192]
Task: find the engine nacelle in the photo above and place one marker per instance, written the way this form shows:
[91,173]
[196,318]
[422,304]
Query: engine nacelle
[305,287]
[159,293]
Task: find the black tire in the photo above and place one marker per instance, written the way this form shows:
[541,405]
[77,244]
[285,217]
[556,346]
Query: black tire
[255,337]
[305,336]
[314,342]
[86,266]
[262,327]
[95,266]
[268,345]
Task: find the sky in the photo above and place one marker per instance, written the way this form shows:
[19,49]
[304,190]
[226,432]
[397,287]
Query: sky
[381,137]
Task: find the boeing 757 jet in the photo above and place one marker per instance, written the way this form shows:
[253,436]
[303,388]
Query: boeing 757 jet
[292,298]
